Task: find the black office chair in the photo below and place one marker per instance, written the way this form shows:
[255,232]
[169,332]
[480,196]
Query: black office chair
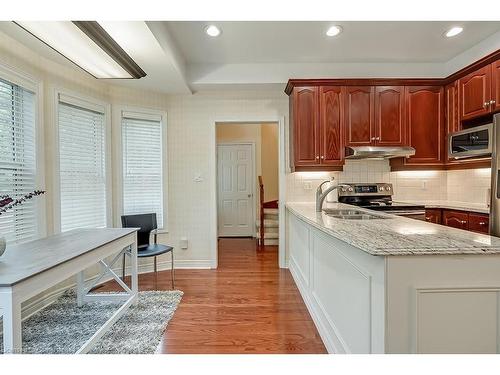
[147,223]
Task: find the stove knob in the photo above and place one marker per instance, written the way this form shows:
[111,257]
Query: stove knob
[387,188]
[351,189]
[342,190]
[381,188]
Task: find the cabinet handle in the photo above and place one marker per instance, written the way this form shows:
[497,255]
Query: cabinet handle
[492,102]
[427,219]
[373,138]
[482,223]
[317,157]
[378,138]
[463,221]
[486,104]
[322,157]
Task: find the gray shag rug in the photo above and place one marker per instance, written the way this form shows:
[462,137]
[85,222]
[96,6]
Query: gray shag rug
[63,327]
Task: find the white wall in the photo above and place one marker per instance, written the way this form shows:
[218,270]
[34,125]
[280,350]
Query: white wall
[465,186]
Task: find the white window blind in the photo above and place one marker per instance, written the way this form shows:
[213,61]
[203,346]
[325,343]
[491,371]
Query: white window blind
[17,161]
[142,165]
[82,167]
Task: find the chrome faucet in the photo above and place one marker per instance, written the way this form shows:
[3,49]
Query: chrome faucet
[321,195]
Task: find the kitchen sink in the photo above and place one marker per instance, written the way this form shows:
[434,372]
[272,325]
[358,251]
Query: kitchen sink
[351,214]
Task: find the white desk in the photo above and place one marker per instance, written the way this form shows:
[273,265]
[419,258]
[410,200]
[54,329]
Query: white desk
[30,268]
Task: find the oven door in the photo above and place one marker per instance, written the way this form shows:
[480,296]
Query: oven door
[473,142]
[412,214]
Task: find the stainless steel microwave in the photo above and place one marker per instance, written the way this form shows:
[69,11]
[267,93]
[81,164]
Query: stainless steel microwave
[473,142]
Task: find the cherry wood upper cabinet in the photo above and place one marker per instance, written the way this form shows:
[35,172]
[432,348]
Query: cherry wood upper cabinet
[475,93]
[305,107]
[331,125]
[359,115]
[390,116]
[425,124]
[451,108]
[495,88]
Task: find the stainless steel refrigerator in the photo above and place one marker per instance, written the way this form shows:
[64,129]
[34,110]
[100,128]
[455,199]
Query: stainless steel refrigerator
[495,178]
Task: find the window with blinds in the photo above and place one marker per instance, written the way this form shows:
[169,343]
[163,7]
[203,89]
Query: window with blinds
[17,161]
[82,167]
[142,164]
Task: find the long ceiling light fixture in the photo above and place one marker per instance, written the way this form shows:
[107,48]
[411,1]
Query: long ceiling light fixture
[88,45]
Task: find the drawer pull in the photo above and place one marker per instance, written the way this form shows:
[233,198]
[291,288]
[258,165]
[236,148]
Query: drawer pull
[482,223]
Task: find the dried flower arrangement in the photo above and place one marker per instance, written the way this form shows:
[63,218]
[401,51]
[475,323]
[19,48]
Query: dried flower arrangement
[7,202]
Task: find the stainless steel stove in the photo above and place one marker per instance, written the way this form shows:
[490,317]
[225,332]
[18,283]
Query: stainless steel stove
[378,197]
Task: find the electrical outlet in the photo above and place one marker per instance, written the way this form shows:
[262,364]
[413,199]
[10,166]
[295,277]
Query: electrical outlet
[308,185]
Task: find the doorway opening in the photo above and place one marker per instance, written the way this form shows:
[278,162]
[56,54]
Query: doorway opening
[247,178]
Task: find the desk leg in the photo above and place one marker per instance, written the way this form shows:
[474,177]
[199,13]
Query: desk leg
[12,339]
[133,271]
[80,288]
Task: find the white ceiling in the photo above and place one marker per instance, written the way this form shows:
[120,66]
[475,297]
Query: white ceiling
[306,42]
[179,57]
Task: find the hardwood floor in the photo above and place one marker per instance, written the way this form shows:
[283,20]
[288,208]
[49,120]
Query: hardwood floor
[247,305]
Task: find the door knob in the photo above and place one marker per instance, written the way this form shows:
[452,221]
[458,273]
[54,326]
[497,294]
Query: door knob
[249,195]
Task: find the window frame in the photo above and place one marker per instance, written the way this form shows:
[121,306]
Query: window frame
[34,84]
[91,102]
[118,157]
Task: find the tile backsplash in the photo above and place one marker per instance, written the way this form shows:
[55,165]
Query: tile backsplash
[470,186]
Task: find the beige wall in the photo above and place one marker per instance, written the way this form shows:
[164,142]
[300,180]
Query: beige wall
[270,161]
[190,141]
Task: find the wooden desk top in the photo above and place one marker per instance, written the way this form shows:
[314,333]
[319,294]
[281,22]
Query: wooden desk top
[22,261]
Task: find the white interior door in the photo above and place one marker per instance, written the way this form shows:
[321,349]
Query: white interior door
[235,170]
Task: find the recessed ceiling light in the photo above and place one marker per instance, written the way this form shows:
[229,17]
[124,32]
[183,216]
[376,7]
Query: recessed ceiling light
[334,30]
[454,31]
[212,30]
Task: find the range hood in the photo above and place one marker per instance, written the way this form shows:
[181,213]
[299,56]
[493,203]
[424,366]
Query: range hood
[378,152]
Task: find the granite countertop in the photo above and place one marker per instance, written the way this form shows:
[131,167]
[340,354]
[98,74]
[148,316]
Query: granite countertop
[395,235]
[452,205]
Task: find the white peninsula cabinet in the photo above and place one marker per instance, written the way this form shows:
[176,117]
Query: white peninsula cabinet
[395,285]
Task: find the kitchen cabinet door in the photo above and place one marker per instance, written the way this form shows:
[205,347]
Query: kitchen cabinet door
[305,126]
[359,115]
[475,93]
[425,124]
[456,219]
[433,215]
[495,88]
[331,125]
[389,116]
[451,108]
[479,223]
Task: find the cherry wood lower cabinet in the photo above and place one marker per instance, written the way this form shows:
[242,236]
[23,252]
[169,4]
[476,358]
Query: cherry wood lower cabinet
[472,221]
[456,219]
[433,216]
[479,223]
